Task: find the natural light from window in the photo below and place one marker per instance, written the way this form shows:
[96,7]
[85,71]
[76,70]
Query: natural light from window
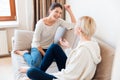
[5,8]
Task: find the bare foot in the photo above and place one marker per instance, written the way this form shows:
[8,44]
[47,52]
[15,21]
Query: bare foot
[23,69]
[27,79]
[21,52]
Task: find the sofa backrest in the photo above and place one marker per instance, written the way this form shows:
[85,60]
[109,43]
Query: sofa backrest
[104,69]
[70,37]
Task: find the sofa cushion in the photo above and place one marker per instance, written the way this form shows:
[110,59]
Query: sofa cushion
[104,69]
[22,39]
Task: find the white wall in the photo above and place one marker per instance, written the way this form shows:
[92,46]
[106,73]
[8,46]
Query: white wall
[105,12]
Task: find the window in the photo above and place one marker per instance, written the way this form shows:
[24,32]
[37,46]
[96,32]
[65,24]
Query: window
[7,10]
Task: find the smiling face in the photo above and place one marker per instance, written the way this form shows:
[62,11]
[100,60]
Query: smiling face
[55,13]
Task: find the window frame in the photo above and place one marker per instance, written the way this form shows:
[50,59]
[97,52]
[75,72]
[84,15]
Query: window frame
[12,17]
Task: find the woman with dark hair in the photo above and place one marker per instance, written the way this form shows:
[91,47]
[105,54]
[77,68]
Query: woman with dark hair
[44,33]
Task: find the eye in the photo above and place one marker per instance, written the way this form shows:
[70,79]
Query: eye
[56,11]
[60,12]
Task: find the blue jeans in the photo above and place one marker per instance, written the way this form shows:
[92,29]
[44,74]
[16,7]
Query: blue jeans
[33,58]
[54,52]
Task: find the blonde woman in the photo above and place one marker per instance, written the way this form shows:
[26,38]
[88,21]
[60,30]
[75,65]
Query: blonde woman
[81,62]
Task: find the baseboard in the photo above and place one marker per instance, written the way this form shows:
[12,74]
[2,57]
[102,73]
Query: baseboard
[8,55]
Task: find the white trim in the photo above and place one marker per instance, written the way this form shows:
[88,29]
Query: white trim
[8,24]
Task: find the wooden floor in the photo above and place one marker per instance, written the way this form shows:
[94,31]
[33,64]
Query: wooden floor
[6,71]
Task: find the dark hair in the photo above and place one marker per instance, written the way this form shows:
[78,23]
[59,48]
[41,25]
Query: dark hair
[54,5]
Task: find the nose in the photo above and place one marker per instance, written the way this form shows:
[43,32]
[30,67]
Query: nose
[59,14]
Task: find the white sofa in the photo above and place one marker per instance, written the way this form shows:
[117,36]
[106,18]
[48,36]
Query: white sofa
[22,40]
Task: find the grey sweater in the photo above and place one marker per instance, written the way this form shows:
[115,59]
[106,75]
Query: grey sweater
[44,34]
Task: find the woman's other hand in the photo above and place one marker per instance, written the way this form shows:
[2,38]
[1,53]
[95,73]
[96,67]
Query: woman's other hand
[41,50]
[64,43]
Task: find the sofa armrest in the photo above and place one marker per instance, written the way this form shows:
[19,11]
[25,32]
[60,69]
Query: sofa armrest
[12,41]
[104,68]
[22,39]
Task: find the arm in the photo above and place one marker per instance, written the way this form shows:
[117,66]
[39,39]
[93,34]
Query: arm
[67,7]
[41,50]
[68,25]
[37,35]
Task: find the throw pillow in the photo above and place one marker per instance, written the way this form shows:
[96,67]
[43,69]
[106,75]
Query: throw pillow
[59,34]
[22,39]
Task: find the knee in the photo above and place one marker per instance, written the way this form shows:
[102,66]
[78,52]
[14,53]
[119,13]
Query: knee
[34,50]
[31,72]
[36,58]
[36,63]
[54,45]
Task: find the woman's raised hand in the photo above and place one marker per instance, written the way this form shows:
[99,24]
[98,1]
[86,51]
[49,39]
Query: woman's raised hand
[67,7]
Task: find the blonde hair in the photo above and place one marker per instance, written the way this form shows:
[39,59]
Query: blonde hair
[88,26]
